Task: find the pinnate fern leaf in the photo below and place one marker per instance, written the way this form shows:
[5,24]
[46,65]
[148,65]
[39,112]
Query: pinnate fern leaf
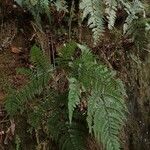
[106,115]
[38,80]
[37,104]
[111,11]
[94,10]
[73,96]
[132,9]
[106,108]
[68,136]
[73,138]
[36,7]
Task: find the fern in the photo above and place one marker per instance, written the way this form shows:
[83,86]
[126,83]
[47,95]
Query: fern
[132,9]
[111,11]
[134,31]
[97,9]
[39,7]
[34,117]
[36,7]
[39,79]
[17,142]
[40,60]
[73,97]
[68,50]
[74,138]
[106,108]
[44,108]
[24,71]
[68,136]
[106,114]
[94,9]
[61,5]
[89,81]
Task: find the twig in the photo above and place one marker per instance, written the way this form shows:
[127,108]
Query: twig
[53,52]
[4,121]
[70,19]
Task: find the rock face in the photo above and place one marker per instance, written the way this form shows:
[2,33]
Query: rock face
[138,130]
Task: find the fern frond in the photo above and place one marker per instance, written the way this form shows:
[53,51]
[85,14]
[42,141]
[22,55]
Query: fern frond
[36,7]
[73,137]
[68,50]
[94,10]
[61,5]
[39,78]
[69,136]
[12,104]
[140,33]
[17,142]
[24,71]
[45,6]
[106,114]
[132,9]
[111,8]
[66,54]
[86,57]
[106,107]
[20,2]
[35,117]
[73,96]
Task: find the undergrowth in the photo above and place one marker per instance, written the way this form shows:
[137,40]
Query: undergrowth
[90,104]
[96,12]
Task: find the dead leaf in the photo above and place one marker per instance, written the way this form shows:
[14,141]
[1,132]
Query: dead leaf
[15,50]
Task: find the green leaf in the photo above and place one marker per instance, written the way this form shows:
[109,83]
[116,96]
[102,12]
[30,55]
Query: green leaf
[73,96]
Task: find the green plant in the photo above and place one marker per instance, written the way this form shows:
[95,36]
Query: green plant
[94,98]
[38,99]
[38,80]
[40,7]
[37,8]
[96,10]
[139,32]
[17,141]
[103,95]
